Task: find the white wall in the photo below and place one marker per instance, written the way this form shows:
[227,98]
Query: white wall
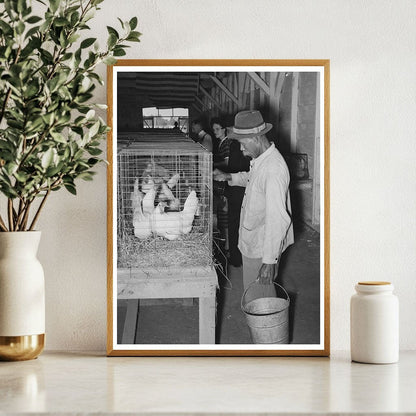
[371,45]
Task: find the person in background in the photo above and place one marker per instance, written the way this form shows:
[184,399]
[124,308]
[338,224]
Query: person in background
[228,199]
[266,228]
[203,138]
[176,126]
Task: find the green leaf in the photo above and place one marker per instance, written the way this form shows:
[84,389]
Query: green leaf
[21,177]
[94,129]
[52,171]
[86,176]
[47,158]
[110,60]
[6,29]
[54,4]
[35,125]
[119,52]
[10,7]
[11,168]
[70,188]
[87,42]
[31,90]
[112,31]
[20,28]
[31,32]
[133,37]
[133,23]
[48,118]
[33,19]
[90,114]
[60,138]
[21,6]
[112,41]
[74,18]
[94,151]
[61,21]
[73,38]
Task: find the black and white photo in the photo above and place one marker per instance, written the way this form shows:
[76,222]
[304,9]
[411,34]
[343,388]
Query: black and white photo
[218,208]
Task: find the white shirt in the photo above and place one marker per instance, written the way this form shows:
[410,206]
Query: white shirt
[266,228]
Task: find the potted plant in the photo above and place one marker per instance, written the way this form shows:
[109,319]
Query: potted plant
[50,136]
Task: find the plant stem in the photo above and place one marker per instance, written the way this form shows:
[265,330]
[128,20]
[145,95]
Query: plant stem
[36,144]
[2,224]
[26,216]
[20,212]
[10,213]
[39,209]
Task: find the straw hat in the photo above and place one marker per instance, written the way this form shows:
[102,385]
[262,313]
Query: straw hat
[248,124]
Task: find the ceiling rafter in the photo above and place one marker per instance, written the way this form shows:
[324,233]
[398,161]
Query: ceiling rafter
[260,82]
[209,96]
[225,89]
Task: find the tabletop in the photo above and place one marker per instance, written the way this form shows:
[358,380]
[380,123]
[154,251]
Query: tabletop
[90,383]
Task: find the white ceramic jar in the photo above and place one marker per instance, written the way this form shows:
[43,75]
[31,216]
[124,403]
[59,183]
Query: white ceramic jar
[374,323]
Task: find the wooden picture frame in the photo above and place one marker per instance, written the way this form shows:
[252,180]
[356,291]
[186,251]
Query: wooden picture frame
[292,95]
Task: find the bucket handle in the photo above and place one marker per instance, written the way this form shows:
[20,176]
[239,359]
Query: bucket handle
[255,282]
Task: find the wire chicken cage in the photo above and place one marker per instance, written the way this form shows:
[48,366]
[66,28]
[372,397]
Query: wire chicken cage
[164,201]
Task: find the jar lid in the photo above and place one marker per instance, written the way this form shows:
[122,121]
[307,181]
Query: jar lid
[374,283]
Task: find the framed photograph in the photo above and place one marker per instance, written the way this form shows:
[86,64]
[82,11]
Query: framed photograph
[218,208]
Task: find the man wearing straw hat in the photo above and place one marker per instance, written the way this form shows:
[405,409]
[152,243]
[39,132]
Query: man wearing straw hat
[266,228]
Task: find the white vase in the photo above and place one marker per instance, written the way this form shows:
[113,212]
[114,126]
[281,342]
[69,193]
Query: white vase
[22,296]
[374,323]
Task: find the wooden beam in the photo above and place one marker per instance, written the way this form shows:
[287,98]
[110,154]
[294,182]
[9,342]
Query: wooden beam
[242,78]
[259,81]
[130,323]
[277,80]
[252,90]
[198,109]
[279,85]
[208,95]
[225,89]
[294,112]
[200,102]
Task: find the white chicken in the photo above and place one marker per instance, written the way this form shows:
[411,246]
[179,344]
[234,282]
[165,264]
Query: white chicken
[149,201]
[141,221]
[171,225]
[173,180]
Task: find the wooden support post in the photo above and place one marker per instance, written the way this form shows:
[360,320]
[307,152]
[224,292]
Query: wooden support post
[294,112]
[276,86]
[130,323]
[252,91]
[242,81]
[207,310]
[225,89]
[236,107]
[260,82]
[262,94]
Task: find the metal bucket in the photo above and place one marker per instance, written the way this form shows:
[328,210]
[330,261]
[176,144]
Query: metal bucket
[267,318]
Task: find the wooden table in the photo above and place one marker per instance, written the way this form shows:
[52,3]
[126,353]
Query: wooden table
[164,283]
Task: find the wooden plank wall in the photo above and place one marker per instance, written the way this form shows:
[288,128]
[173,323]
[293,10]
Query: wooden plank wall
[286,100]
